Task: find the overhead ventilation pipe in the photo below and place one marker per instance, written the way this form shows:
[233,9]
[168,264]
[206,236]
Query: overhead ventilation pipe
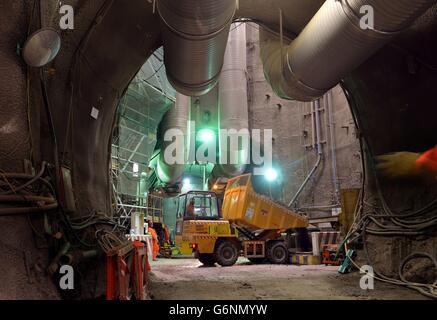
[195,35]
[333,44]
[175,119]
[233,106]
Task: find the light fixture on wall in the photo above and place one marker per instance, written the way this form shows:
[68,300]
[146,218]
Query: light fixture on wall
[41,47]
[271,174]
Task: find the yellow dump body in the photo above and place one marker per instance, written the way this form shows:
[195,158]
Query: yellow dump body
[244,207]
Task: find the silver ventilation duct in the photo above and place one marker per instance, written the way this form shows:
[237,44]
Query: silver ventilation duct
[195,34]
[233,106]
[310,65]
[175,119]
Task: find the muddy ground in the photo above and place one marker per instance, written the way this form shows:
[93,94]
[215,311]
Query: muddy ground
[187,279]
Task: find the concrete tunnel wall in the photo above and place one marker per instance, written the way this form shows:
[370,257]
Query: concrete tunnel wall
[292,148]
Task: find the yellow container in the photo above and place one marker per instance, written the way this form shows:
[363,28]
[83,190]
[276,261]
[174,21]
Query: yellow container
[246,208]
[349,201]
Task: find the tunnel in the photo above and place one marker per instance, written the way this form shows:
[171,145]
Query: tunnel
[348,112]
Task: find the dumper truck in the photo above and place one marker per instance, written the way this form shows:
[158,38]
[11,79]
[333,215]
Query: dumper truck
[247,223]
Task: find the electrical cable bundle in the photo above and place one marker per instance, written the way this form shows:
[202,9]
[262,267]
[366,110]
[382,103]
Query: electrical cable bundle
[110,242]
[359,226]
[91,220]
[25,194]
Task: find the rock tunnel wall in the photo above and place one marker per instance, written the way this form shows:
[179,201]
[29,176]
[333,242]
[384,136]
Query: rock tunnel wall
[101,57]
[22,264]
[98,59]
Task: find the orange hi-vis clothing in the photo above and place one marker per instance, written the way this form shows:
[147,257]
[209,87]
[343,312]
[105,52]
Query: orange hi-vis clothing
[428,161]
[155,242]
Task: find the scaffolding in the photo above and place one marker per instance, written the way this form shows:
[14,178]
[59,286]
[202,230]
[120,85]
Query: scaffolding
[147,99]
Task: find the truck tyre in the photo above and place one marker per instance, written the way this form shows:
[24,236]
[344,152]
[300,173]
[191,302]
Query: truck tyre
[277,253]
[226,253]
[207,259]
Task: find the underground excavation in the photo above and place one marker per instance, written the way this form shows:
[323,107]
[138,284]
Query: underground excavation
[218,150]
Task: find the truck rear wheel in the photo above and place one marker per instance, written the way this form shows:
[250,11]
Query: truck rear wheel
[226,253]
[277,253]
[207,259]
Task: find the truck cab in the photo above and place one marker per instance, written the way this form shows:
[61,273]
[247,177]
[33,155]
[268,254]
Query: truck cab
[206,206]
[200,229]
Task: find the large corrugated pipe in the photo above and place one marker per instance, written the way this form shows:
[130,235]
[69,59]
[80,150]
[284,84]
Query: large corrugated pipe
[175,119]
[333,44]
[233,107]
[195,35]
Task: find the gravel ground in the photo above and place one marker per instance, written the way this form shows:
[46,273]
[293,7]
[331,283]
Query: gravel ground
[188,279]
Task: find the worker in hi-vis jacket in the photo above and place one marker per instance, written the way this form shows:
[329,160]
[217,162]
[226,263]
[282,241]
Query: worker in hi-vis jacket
[154,235]
[190,213]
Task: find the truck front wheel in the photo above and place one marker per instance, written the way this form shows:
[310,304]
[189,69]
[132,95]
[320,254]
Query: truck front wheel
[277,253]
[226,253]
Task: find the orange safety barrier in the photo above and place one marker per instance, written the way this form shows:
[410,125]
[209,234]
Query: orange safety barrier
[126,273]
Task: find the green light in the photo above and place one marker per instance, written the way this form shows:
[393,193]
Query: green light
[271,174]
[206,135]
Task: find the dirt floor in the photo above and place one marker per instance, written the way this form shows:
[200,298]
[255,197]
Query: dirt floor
[188,279]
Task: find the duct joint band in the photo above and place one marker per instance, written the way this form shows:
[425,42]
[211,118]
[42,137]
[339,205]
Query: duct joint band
[197,37]
[314,92]
[178,83]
